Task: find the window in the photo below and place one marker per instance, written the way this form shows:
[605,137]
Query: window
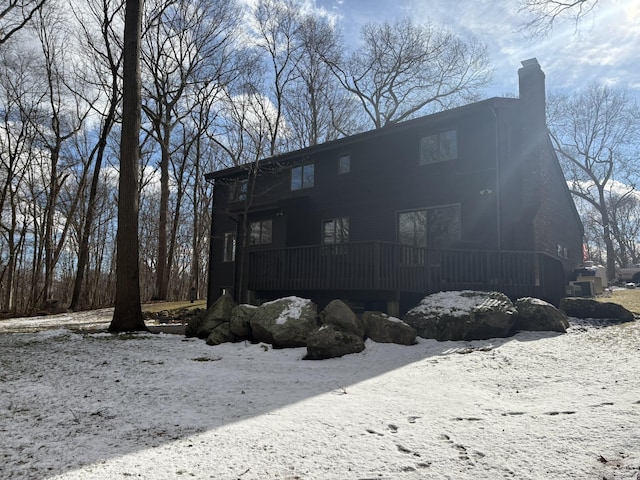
[562,251]
[439,147]
[412,228]
[436,227]
[344,164]
[229,249]
[261,232]
[335,230]
[239,190]
[302,177]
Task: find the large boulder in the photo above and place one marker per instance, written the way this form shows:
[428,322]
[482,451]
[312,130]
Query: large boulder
[534,314]
[339,314]
[240,322]
[221,334]
[588,308]
[382,328]
[463,315]
[220,312]
[330,341]
[284,323]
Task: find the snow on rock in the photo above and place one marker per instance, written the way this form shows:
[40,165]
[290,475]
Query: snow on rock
[462,315]
[285,323]
[292,308]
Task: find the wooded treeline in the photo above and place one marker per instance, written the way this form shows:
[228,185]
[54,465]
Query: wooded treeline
[222,84]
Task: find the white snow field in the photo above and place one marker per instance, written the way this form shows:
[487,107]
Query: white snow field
[533,406]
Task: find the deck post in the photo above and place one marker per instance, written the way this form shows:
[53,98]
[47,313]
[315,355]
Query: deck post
[393,305]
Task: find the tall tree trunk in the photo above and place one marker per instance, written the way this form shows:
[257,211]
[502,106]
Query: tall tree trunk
[162,274]
[49,227]
[608,239]
[195,244]
[127,315]
[83,248]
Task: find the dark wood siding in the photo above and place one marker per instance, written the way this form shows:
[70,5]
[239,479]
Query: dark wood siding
[494,179]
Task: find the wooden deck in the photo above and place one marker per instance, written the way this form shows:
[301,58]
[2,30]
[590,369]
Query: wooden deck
[380,266]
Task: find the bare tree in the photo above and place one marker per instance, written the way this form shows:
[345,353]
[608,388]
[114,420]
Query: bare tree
[127,314]
[103,74]
[595,132]
[546,13]
[17,153]
[61,116]
[189,44]
[318,108]
[15,15]
[625,226]
[277,26]
[403,70]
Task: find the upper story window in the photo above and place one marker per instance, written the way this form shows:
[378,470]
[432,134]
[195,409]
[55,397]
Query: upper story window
[302,177]
[344,164]
[229,248]
[239,190]
[335,230]
[439,147]
[261,232]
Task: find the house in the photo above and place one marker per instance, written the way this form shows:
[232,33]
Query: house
[468,198]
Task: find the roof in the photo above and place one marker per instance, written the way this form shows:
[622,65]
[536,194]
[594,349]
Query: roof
[240,170]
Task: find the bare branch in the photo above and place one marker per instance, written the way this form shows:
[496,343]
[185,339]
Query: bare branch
[15,15]
[546,13]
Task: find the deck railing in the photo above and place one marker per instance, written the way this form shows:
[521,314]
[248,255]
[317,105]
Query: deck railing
[392,267]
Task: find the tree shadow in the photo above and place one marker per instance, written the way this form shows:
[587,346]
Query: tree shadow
[105,396]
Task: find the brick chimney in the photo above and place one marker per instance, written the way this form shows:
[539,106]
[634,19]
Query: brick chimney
[532,91]
[533,134]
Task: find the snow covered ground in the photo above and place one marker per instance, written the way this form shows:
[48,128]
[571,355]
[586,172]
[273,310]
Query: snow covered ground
[534,406]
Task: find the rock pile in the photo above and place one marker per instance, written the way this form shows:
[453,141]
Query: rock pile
[336,330]
[295,322]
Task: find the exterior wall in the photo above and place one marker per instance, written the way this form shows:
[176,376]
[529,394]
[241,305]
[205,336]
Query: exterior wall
[558,230]
[222,275]
[510,194]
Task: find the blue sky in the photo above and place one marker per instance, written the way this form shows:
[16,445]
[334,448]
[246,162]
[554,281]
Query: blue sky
[604,47]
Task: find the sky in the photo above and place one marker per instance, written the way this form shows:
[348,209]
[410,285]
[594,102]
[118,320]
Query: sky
[602,48]
[536,406]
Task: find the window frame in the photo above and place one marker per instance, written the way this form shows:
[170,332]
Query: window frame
[229,240]
[239,190]
[562,251]
[427,234]
[306,177]
[344,167]
[442,148]
[265,236]
[339,224]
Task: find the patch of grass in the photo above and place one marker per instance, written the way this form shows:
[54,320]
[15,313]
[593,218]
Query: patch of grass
[172,306]
[628,298]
